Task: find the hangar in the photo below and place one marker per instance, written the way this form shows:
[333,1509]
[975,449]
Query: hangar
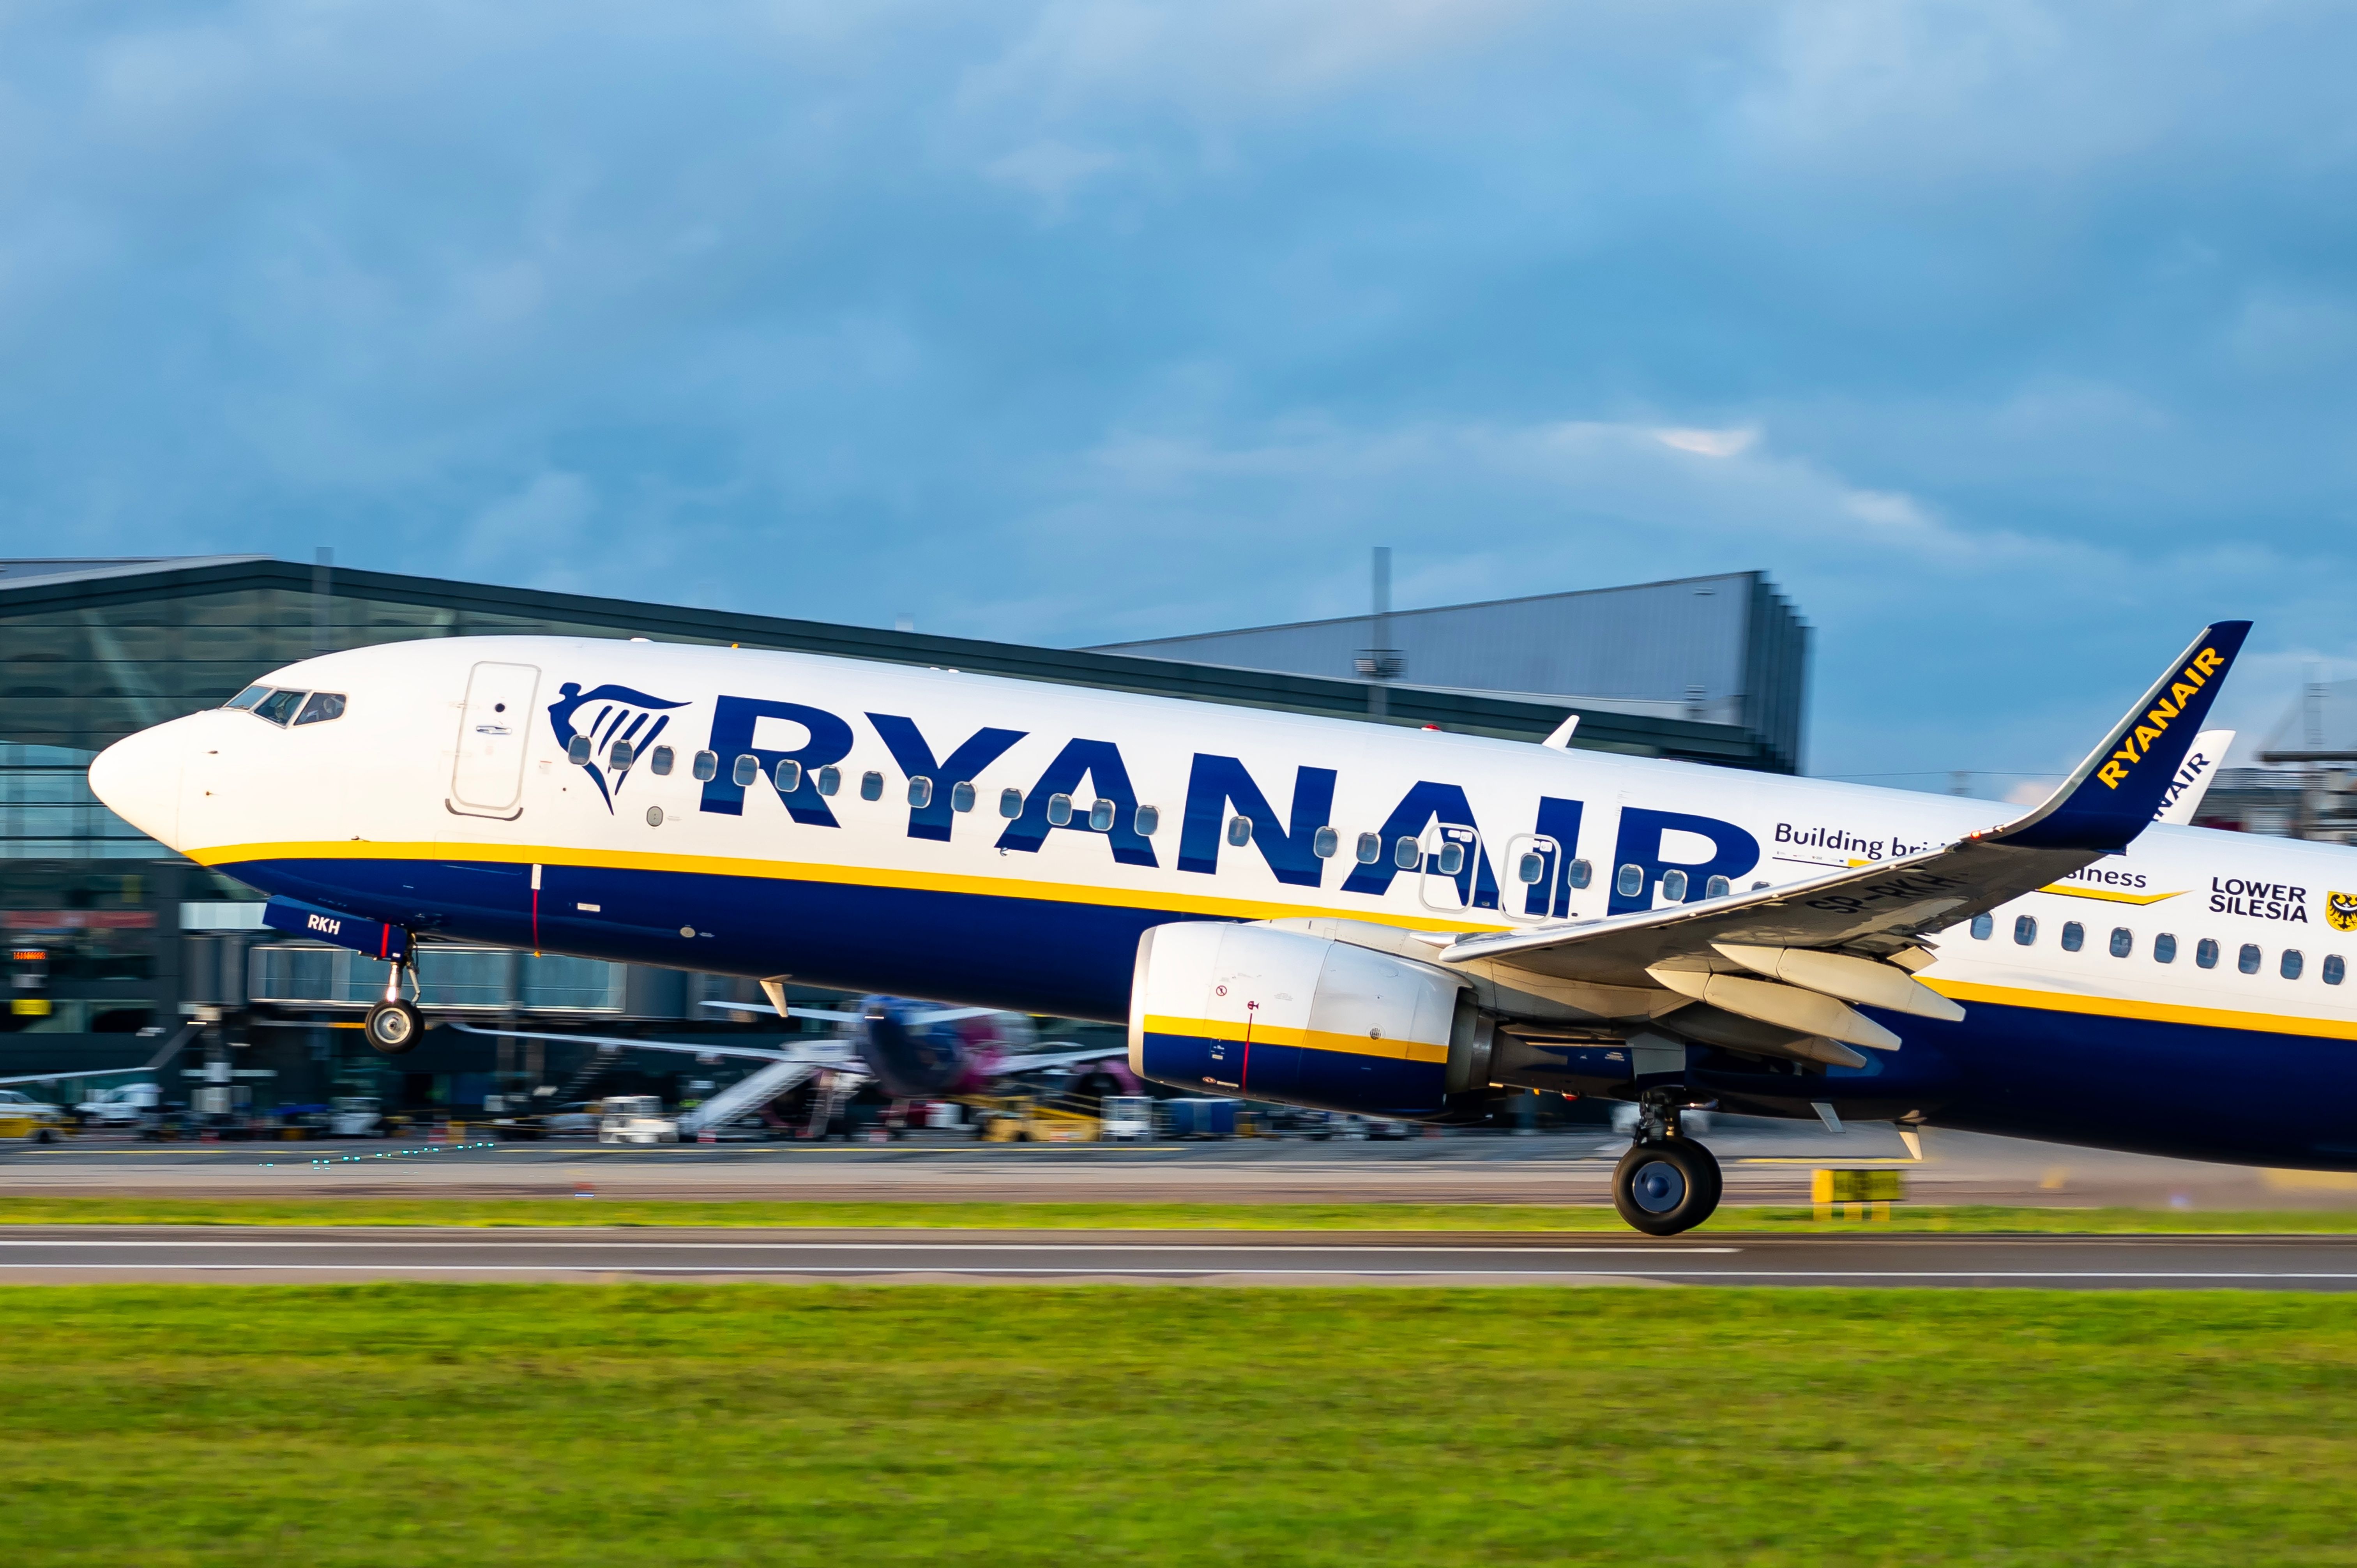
[114,940]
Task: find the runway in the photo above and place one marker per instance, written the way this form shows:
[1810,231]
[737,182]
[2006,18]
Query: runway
[93,1254]
[1765,1162]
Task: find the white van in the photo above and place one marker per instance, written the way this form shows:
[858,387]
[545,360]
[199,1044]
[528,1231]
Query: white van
[635,1119]
[122,1106]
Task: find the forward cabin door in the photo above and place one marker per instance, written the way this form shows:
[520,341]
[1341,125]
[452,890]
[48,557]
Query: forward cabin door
[493,726]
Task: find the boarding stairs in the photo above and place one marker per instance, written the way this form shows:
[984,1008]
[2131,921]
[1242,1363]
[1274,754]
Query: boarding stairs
[835,1092]
[590,1072]
[746,1096]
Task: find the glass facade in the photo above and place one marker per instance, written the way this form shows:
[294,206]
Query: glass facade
[89,905]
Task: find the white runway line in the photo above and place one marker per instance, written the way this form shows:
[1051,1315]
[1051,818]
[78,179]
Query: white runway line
[1704,1276]
[11,1243]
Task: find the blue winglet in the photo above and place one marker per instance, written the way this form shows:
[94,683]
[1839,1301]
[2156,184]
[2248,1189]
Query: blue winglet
[2113,795]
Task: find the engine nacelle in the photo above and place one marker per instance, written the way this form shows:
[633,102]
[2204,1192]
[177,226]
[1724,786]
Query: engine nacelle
[1264,1014]
[911,1059]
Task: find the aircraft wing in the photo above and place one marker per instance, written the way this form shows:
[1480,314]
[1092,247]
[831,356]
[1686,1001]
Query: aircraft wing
[1832,934]
[1032,1060]
[826,1053]
[171,1048]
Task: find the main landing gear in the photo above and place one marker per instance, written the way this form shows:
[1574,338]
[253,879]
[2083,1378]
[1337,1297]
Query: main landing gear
[1666,1182]
[394,1026]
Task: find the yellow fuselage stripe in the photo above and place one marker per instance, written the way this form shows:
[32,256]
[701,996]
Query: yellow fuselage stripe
[228,856]
[1968,991]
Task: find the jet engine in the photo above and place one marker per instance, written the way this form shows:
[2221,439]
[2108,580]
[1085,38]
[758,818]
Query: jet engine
[912,1057]
[1267,1014]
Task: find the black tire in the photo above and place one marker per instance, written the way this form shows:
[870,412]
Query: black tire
[394,1027]
[1710,1167]
[1665,1188]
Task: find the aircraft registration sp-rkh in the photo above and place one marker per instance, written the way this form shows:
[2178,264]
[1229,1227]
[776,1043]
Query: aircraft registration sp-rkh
[1364,917]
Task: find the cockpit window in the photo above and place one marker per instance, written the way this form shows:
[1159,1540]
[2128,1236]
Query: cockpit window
[248,697]
[323,706]
[279,707]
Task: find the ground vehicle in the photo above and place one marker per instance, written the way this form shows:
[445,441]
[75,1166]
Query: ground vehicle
[23,1116]
[635,1119]
[357,1116]
[1128,1117]
[122,1106]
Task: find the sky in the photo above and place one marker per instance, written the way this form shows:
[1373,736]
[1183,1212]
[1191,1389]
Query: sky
[2014,341]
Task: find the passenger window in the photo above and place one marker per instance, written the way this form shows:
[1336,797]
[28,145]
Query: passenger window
[1582,874]
[619,757]
[2335,972]
[1982,926]
[1060,810]
[2025,928]
[921,792]
[1717,887]
[787,774]
[747,769]
[576,750]
[2164,949]
[1101,815]
[1010,803]
[1325,843]
[1674,887]
[659,761]
[248,697]
[2247,960]
[1629,881]
[1148,817]
[830,779]
[2292,965]
[707,766]
[1452,859]
[2122,942]
[323,706]
[1371,848]
[1239,831]
[2205,953]
[962,796]
[2074,936]
[1407,854]
[871,784]
[1529,868]
[279,706]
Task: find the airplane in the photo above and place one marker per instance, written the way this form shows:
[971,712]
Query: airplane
[914,1053]
[1353,917]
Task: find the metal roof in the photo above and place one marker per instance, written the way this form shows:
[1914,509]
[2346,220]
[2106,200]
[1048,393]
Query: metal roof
[1724,649]
[91,585]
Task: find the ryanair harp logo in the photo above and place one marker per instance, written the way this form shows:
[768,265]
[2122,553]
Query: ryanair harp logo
[2341,911]
[617,716]
[2149,728]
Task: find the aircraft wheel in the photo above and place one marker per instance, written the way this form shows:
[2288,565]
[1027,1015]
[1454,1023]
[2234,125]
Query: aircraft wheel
[392,1027]
[1710,1166]
[1665,1188]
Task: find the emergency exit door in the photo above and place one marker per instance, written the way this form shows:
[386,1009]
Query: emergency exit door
[494,726]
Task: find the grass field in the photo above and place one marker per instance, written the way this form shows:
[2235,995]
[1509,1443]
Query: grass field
[395,1425]
[1437,1216]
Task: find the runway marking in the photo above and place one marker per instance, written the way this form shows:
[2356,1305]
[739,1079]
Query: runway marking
[1213,1270]
[14,1243]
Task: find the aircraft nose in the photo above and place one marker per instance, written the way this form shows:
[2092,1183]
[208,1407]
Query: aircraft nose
[139,779]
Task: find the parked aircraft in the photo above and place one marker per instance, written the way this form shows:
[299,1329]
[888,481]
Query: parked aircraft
[1349,916]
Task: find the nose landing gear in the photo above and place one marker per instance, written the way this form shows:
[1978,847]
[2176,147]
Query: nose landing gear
[394,1026]
[1666,1183]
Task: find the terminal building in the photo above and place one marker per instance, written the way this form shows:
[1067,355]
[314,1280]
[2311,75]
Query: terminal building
[114,941]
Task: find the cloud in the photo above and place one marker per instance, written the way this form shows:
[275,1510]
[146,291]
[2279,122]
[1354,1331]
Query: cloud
[2010,337]
[1708,442]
